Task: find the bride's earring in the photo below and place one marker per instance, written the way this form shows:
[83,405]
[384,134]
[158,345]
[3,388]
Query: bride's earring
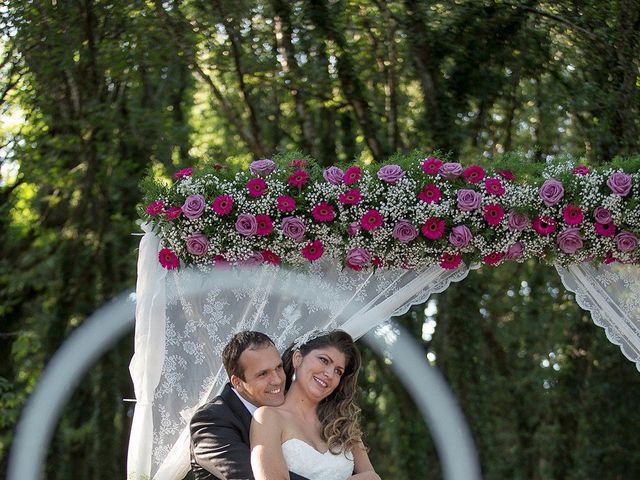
[293,377]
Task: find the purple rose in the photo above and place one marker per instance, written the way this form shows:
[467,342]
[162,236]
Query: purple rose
[262,167]
[518,220]
[333,175]
[390,173]
[570,240]
[193,206]
[405,231]
[256,258]
[197,244]
[450,170]
[626,241]
[619,183]
[602,215]
[460,236]
[515,251]
[357,258]
[246,224]
[353,228]
[293,227]
[551,192]
[468,199]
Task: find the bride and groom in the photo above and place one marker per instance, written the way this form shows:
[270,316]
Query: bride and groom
[253,430]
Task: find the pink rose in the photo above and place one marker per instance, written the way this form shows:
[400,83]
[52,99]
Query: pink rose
[602,215]
[246,224]
[619,183]
[404,231]
[551,192]
[517,220]
[333,175]
[468,199]
[262,167]
[193,206]
[515,251]
[390,173]
[460,236]
[569,240]
[357,258]
[450,170]
[293,228]
[626,241]
[197,244]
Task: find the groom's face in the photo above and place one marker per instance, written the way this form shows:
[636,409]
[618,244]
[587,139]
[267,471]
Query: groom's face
[264,376]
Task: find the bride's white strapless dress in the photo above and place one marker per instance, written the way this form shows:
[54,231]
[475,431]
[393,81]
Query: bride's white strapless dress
[303,459]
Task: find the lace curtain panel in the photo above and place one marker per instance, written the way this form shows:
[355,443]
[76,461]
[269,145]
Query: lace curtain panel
[611,293]
[185,317]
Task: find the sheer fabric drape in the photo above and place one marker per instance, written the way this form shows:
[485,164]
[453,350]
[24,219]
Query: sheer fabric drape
[185,317]
[611,293]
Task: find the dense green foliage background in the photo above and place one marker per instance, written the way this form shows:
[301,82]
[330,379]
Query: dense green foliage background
[94,93]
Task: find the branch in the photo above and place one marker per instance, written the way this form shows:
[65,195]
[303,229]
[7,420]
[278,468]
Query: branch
[592,36]
[227,108]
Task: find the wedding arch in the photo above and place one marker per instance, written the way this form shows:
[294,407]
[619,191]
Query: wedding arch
[368,242]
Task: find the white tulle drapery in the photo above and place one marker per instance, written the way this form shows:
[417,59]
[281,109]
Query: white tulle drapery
[612,294]
[185,317]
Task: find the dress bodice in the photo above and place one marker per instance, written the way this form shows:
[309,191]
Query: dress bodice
[305,460]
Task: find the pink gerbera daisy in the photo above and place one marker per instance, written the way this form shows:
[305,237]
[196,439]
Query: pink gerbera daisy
[606,229]
[430,193]
[256,187]
[323,212]
[450,261]
[493,186]
[270,257]
[155,208]
[493,213]
[352,197]
[433,228]
[313,250]
[352,175]
[285,203]
[168,259]
[473,174]
[298,178]
[572,214]
[264,227]
[173,213]
[544,225]
[431,165]
[185,172]
[371,220]
[493,258]
[222,204]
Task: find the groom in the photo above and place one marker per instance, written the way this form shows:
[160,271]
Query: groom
[220,429]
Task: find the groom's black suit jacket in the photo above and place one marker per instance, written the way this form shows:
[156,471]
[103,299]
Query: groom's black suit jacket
[220,440]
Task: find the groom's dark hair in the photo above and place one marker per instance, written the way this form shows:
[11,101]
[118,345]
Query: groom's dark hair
[240,342]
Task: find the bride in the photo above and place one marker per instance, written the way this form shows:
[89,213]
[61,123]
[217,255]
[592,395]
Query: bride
[315,433]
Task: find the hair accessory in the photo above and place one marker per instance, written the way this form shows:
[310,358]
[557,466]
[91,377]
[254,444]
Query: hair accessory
[307,337]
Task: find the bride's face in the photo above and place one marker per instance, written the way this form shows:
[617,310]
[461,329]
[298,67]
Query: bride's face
[320,371]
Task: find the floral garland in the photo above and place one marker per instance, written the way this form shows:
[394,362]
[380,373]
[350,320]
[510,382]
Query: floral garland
[426,211]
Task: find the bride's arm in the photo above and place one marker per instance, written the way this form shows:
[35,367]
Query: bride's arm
[363,469]
[267,460]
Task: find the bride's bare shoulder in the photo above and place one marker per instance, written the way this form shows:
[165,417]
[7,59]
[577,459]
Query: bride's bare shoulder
[268,415]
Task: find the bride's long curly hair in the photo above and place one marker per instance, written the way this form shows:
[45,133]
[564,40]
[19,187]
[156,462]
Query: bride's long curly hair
[338,413]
